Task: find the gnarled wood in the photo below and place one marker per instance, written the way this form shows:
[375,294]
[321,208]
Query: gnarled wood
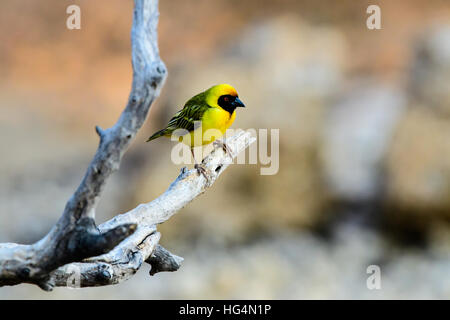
[124,260]
[75,252]
[73,237]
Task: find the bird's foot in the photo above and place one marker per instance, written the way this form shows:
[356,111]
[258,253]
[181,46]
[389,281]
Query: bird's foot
[202,170]
[224,147]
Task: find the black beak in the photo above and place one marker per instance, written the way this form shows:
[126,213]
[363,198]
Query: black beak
[238,103]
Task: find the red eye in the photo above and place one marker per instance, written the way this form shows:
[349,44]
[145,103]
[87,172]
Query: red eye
[226,99]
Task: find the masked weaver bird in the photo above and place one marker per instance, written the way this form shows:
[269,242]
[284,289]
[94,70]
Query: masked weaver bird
[213,110]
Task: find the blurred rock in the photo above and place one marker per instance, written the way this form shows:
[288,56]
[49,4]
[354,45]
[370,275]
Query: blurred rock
[418,166]
[418,170]
[357,133]
[430,78]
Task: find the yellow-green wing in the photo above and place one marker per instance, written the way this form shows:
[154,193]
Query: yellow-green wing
[187,118]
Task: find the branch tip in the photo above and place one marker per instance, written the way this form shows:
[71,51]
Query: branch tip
[162,260]
[99,131]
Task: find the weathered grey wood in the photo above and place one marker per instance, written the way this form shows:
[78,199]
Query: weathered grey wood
[75,252]
[73,237]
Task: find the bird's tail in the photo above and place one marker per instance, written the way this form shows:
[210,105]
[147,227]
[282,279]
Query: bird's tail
[157,134]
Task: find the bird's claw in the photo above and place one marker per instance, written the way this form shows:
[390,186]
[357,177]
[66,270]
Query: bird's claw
[202,170]
[224,147]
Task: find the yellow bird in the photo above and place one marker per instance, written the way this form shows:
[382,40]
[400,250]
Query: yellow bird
[205,118]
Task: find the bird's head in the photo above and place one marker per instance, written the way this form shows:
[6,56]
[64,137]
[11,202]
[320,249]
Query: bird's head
[223,96]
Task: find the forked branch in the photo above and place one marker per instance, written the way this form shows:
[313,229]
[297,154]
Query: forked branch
[74,236]
[75,252]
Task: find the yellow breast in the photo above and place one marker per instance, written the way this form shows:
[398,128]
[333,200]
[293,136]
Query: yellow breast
[214,124]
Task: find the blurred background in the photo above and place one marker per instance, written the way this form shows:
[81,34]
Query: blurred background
[364,119]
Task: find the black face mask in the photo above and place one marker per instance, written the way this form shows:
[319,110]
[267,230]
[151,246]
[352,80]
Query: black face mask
[230,103]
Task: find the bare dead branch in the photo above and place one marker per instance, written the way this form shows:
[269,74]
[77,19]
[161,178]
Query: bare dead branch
[74,236]
[75,252]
